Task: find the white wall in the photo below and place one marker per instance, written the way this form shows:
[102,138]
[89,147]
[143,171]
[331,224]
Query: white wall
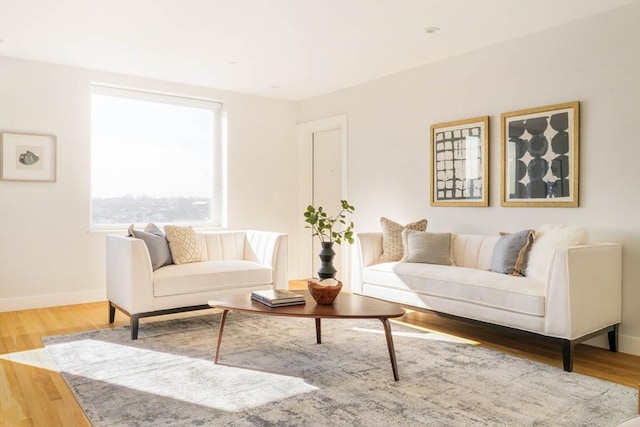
[47,255]
[594,61]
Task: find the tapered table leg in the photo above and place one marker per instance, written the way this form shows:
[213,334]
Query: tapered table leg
[224,317]
[392,351]
[318,331]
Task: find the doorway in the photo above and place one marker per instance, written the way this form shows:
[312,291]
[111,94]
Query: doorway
[326,188]
[322,182]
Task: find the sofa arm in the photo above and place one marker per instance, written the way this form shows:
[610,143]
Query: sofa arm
[584,290]
[271,250]
[370,248]
[129,274]
[368,251]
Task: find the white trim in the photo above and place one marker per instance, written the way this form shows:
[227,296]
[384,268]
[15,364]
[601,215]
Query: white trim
[218,193]
[155,96]
[52,300]
[305,178]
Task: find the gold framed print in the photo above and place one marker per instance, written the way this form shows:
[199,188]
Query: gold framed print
[460,163]
[539,156]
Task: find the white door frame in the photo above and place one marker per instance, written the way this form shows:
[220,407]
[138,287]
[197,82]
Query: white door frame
[305,186]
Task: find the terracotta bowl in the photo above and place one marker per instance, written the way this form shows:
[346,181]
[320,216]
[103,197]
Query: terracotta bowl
[323,295]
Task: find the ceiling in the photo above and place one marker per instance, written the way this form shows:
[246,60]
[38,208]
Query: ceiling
[291,50]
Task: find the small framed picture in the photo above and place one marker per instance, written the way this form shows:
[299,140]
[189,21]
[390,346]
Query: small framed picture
[460,163]
[28,157]
[539,156]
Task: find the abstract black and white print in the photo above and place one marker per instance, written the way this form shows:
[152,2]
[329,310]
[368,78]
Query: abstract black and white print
[458,164]
[539,160]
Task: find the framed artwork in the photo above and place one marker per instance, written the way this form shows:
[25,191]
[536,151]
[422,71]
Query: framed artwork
[27,157]
[460,163]
[539,156]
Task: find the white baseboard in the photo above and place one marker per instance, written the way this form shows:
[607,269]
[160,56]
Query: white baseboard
[626,343]
[52,300]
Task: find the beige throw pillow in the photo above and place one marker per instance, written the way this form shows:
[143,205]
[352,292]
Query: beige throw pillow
[427,248]
[183,244]
[392,247]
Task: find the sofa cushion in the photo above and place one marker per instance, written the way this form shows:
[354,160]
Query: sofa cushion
[505,292]
[209,276]
[225,245]
[424,247]
[511,251]
[184,245]
[157,245]
[473,250]
[392,247]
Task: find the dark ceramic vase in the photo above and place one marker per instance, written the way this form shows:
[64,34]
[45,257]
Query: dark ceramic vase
[327,270]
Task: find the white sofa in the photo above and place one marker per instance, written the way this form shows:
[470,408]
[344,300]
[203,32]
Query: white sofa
[236,261]
[581,297]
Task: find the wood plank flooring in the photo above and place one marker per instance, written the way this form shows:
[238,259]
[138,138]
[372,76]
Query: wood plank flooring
[34,394]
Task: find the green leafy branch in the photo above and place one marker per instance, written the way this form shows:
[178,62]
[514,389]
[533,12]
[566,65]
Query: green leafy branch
[322,224]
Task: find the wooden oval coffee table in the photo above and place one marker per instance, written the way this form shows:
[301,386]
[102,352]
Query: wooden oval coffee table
[346,306]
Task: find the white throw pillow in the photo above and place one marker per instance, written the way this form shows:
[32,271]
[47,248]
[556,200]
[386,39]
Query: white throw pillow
[550,237]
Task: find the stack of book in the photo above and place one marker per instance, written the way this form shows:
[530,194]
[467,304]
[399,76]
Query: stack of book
[277,298]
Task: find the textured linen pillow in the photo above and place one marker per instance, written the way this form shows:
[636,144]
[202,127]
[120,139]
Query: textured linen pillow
[549,238]
[427,248]
[157,245]
[392,246]
[511,252]
[183,244]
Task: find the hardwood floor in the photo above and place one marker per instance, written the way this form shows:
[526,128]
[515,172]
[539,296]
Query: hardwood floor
[32,393]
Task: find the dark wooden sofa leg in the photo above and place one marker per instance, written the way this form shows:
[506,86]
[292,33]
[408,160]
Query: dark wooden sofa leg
[112,313]
[567,355]
[135,318]
[568,345]
[613,338]
[135,321]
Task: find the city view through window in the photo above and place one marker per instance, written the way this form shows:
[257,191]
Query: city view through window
[154,158]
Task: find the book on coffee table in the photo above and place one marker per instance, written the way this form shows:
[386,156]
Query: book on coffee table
[280,304]
[277,297]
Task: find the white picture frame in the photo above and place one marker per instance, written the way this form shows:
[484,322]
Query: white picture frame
[28,157]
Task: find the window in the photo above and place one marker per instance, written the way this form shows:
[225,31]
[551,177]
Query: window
[155,158]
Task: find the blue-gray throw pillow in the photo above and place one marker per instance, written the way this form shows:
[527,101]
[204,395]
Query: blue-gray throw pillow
[157,245]
[511,252]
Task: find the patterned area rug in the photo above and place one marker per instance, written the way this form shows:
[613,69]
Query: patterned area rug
[272,372]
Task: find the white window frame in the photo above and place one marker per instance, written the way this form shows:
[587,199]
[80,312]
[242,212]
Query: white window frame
[218,195]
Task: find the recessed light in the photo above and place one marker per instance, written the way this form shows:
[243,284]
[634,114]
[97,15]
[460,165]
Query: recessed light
[232,62]
[431,30]
[274,87]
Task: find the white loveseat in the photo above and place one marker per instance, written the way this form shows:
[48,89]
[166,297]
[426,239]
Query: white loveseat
[580,298]
[236,261]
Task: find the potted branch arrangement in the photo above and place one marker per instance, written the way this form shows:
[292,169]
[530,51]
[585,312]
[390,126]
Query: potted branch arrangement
[327,229]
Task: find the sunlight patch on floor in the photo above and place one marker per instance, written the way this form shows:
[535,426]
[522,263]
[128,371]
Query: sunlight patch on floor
[193,380]
[38,358]
[420,328]
[422,334]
